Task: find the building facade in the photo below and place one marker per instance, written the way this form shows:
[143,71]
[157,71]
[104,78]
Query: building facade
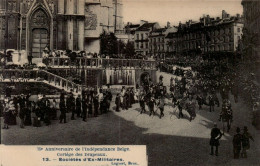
[210,34]
[130,31]
[251,12]
[157,43]
[142,37]
[171,42]
[32,25]
[161,42]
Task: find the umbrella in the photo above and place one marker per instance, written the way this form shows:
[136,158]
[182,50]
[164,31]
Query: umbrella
[33,98]
[9,51]
[41,64]
[9,63]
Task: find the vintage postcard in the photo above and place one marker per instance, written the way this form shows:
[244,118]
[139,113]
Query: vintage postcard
[130,82]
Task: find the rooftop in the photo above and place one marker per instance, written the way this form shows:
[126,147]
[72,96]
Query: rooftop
[146,27]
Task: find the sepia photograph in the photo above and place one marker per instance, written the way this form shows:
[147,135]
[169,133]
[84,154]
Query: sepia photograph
[178,79]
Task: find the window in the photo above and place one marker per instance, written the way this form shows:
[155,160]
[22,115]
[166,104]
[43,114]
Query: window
[238,29]
[221,31]
[147,45]
[228,39]
[217,48]
[137,36]
[142,36]
[221,48]
[226,47]
[137,45]
[142,45]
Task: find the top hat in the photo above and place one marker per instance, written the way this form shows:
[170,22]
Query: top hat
[238,130]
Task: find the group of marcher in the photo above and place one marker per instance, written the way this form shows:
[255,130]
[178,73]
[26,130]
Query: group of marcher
[32,109]
[125,99]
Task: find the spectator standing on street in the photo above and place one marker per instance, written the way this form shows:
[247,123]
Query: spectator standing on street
[141,102]
[237,142]
[245,142]
[84,108]
[161,104]
[96,104]
[71,105]
[6,113]
[78,106]
[214,140]
[62,108]
[117,102]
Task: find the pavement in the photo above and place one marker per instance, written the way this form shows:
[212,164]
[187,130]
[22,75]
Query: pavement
[169,141]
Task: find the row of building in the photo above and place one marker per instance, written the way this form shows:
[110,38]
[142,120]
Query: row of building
[206,35]
[32,25]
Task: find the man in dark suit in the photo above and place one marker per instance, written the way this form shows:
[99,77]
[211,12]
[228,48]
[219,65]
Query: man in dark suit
[62,108]
[71,105]
[78,106]
[237,143]
[214,140]
[84,108]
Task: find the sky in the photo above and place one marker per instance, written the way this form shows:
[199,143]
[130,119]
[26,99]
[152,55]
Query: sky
[175,11]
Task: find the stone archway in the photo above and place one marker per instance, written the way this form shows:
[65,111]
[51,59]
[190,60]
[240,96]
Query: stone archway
[39,32]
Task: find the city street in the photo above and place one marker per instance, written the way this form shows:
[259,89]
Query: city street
[169,141]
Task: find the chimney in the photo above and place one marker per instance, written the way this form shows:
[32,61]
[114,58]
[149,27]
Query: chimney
[224,14]
[142,22]
[168,24]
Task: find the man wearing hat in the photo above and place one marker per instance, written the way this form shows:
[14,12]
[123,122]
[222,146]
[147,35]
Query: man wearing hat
[71,105]
[161,80]
[245,142]
[22,105]
[237,141]
[62,106]
[6,113]
[161,105]
[142,102]
[78,106]
[214,140]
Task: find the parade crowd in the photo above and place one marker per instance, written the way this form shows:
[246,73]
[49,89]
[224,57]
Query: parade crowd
[201,85]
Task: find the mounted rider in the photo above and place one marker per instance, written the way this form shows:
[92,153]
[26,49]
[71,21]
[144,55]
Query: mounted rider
[226,109]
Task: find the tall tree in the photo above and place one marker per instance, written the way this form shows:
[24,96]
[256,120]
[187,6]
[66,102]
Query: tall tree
[129,50]
[108,43]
